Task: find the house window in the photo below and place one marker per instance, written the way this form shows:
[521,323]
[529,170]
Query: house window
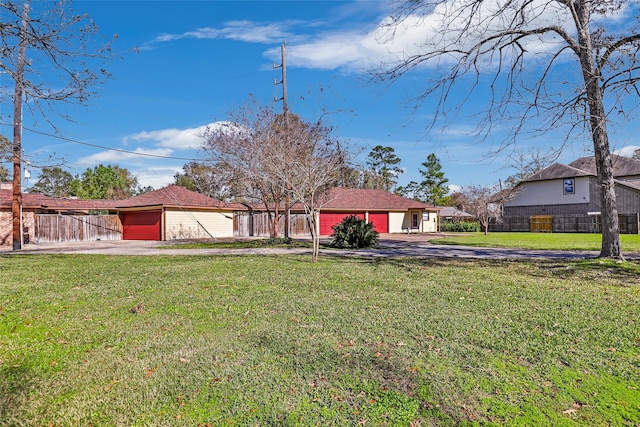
[569,186]
[414,220]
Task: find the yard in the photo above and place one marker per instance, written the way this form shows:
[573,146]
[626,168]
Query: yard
[261,340]
[541,241]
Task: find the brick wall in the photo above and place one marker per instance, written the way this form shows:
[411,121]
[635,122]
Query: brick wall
[6,226]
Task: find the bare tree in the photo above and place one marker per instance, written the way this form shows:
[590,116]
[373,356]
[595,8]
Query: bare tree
[485,203]
[245,146]
[51,54]
[526,163]
[567,62]
[314,163]
[211,180]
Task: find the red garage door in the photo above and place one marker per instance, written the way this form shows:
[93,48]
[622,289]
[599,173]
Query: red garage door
[329,219]
[380,221]
[141,225]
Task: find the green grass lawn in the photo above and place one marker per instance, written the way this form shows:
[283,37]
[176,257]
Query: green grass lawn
[243,243]
[265,341]
[539,241]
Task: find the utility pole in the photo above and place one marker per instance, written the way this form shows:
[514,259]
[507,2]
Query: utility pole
[16,205]
[285,112]
[283,82]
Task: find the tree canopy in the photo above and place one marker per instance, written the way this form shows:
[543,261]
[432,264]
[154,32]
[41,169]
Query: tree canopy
[104,182]
[432,189]
[383,171]
[277,160]
[548,65]
[211,180]
[53,182]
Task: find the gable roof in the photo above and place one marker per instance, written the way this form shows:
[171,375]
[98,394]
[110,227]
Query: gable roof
[622,166]
[176,196]
[558,171]
[453,212]
[370,200]
[29,201]
[171,196]
[586,166]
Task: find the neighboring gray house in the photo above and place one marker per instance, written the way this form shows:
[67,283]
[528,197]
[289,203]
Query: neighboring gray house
[568,192]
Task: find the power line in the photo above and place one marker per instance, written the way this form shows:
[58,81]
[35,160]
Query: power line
[158,156]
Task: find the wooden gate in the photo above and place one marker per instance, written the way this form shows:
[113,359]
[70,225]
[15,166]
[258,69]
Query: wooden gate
[541,224]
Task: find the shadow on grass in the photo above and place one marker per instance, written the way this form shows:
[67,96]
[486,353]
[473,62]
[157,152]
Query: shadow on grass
[367,377]
[626,273]
[14,385]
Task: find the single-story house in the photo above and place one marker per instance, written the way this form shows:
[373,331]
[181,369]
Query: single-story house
[173,213]
[572,191]
[451,213]
[388,212]
[170,213]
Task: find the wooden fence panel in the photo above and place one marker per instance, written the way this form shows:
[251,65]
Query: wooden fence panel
[76,228]
[629,224]
[259,225]
[541,224]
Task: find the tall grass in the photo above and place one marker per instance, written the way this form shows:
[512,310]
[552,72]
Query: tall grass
[281,341]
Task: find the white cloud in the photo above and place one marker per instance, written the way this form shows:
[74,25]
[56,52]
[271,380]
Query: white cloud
[453,188]
[181,139]
[118,157]
[415,35]
[628,150]
[156,177]
[244,30]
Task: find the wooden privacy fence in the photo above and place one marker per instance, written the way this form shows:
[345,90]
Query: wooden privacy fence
[541,224]
[75,228]
[629,224]
[259,225]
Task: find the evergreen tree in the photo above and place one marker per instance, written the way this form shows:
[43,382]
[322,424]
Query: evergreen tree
[434,184]
[383,172]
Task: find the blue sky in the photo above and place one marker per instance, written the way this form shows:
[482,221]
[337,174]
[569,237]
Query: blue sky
[182,65]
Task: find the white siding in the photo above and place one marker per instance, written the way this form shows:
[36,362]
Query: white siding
[550,193]
[182,224]
[400,222]
[430,222]
[396,222]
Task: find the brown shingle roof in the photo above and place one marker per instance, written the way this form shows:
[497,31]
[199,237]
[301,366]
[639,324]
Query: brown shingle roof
[171,196]
[586,166]
[35,200]
[176,196]
[371,200]
[28,200]
[622,166]
[558,171]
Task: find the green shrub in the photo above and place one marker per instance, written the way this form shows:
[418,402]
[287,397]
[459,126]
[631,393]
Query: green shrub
[457,226]
[354,233]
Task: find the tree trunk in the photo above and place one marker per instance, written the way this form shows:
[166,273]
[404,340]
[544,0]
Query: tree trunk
[609,209]
[315,234]
[274,224]
[598,122]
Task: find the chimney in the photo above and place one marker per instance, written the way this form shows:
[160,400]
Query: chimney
[6,186]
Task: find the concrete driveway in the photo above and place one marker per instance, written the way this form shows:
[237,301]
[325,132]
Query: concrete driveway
[391,245]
